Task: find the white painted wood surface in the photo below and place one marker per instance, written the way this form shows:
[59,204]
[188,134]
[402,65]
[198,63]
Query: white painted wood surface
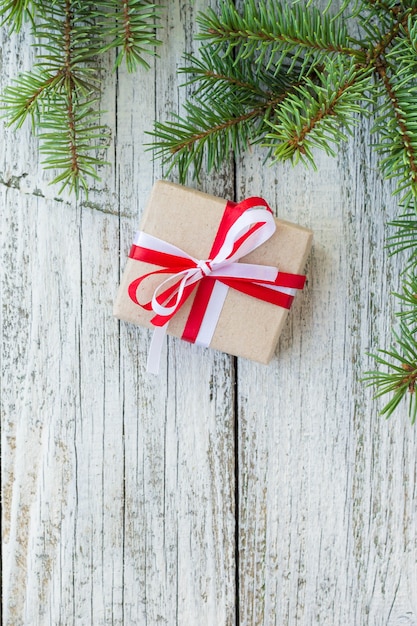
[223,492]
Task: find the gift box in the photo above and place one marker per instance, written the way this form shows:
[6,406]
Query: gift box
[192,241]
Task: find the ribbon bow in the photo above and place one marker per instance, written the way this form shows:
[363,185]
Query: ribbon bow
[243,228]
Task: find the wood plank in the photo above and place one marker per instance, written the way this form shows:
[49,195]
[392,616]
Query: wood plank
[326,487]
[119,487]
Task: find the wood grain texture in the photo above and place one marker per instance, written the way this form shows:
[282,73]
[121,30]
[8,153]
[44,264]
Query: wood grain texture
[327,508]
[223,492]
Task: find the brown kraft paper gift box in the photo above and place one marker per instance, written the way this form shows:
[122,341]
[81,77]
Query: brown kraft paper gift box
[189,219]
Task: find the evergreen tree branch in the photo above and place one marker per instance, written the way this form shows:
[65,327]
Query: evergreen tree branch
[131,26]
[408,299]
[400,379]
[313,116]
[399,22]
[68,136]
[277,30]
[276,39]
[401,153]
[212,71]
[223,129]
[229,111]
[219,76]
[61,93]
[25,97]
[405,237]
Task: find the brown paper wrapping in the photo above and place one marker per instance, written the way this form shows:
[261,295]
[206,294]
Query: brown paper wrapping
[189,219]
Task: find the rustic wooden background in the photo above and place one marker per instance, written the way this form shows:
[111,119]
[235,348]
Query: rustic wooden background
[222,492]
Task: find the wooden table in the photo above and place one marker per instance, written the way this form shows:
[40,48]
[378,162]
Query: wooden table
[221,492]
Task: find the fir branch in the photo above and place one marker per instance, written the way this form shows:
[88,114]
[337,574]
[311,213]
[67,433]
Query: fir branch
[68,140]
[25,97]
[61,93]
[405,238]
[58,94]
[401,375]
[131,26]
[224,129]
[229,111]
[408,298]
[64,65]
[334,83]
[276,30]
[313,116]
[216,75]
[397,123]
[251,88]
